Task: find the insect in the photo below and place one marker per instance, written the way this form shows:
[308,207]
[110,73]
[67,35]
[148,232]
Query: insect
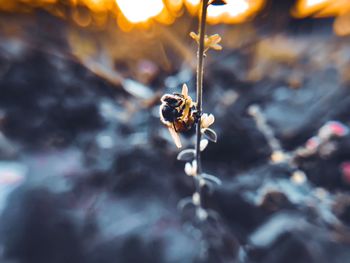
[179,113]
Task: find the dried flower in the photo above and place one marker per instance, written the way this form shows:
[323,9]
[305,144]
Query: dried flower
[209,41]
[191,169]
[207,120]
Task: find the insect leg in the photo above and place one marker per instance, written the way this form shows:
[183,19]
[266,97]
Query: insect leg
[174,127]
[188,127]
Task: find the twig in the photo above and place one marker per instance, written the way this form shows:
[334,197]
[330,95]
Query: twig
[200,66]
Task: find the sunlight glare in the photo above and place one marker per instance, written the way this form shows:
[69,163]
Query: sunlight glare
[193,2]
[310,3]
[137,11]
[233,8]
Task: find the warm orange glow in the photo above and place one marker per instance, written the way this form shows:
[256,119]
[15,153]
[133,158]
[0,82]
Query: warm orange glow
[342,25]
[235,11]
[321,8]
[137,11]
[97,5]
[311,3]
[132,12]
[174,6]
[231,9]
[326,8]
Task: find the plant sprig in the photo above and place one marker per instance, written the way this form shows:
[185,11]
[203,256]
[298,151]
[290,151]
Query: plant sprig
[193,166]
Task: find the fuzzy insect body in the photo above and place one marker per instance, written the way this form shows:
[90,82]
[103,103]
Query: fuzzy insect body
[179,113]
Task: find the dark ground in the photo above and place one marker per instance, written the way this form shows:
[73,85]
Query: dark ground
[88,174]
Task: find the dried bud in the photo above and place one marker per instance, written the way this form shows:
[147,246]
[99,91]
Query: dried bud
[217,2]
[203,144]
[191,169]
[196,198]
[209,41]
[201,214]
[207,120]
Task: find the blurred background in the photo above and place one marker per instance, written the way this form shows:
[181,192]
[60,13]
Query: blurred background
[89,174]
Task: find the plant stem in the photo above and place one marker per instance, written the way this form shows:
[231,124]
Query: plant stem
[200,64]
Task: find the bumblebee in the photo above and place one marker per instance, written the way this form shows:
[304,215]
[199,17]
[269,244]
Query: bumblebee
[179,113]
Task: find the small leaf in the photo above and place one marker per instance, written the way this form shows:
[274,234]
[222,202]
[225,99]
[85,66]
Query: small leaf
[203,144]
[216,47]
[213,215]
[210,187]
[210,134]
[213,42]
[194,36]
[186,155]
[183,203]
[211,178]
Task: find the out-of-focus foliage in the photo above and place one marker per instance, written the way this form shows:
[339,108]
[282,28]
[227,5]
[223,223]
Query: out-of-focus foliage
[326,8]
[127,13]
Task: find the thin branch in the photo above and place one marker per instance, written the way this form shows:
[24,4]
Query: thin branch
[200,65]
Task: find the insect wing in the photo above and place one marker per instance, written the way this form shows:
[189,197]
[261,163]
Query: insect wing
[175,136]
[184,90]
